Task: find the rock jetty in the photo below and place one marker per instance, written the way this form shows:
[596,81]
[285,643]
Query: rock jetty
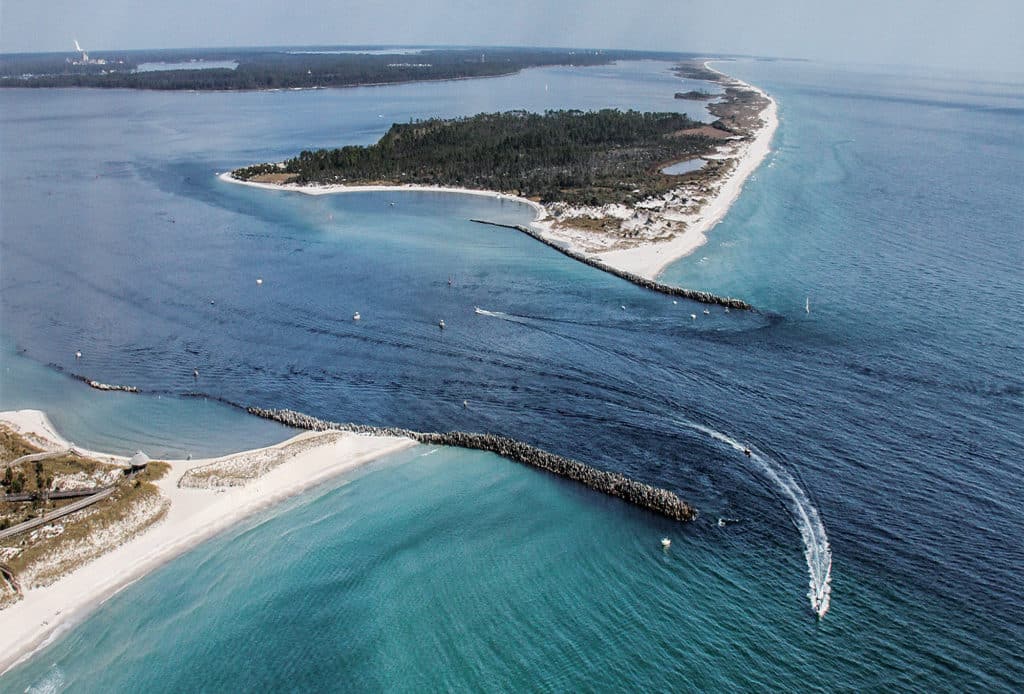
[106,386]
[612,483]
[691,294]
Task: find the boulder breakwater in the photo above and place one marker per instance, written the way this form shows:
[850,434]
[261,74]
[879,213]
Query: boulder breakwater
[614,484]
[105,386]
[670,290]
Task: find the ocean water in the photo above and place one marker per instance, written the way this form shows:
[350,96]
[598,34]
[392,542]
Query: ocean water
[884,423]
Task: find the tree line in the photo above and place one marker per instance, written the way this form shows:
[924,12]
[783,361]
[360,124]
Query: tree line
[283,69]
[590,157]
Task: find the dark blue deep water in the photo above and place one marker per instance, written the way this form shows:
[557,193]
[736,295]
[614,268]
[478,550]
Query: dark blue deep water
[886,422]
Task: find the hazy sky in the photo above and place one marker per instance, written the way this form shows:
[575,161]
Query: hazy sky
[976,34]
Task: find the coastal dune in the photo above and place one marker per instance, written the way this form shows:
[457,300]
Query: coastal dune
[196,513]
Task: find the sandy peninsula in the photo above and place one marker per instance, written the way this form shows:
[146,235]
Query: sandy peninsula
[660,230]
[205,497]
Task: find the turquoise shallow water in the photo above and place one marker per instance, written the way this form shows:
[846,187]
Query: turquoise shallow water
[891,412]
[437,568]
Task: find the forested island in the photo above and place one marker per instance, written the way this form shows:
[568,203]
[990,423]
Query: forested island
[695,95]
[277,68]
[600,181]
[585,157]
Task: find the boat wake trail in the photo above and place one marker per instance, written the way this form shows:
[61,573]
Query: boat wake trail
[499,314]
[804,514]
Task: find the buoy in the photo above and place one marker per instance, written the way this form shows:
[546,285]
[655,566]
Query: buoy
[666,543]
[259,280]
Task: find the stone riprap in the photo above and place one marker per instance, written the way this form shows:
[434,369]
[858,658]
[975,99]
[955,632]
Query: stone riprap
[612,483]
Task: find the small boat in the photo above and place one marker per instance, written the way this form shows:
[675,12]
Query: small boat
[465,403]
[450,280]
[746,451]
[674,302]
[195,373]
[440,324]
[693,316]
[259,280]
[807,305]
[726,309]
[78,355]
[356,316]
[477,309]
[666,543]
[707,312]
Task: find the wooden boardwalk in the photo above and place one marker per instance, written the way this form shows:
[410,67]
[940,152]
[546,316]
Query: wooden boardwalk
[57,514]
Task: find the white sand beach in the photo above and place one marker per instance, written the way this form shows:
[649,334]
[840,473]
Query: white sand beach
[672,226]
[335,189]
[649,260]
[195,514]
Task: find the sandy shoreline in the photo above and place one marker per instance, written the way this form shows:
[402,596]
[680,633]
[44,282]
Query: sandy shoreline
[195,515]
[334,189]
[648,257]
[650,260]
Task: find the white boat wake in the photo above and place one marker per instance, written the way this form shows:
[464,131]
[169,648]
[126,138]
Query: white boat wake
[805,516]
[498,314]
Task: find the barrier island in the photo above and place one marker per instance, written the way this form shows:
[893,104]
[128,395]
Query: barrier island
[599,180]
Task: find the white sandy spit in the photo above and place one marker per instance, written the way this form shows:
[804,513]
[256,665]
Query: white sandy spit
[194,516]
[650,260]
[668,227]
[334,189]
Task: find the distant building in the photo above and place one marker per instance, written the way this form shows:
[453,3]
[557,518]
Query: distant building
[85,59]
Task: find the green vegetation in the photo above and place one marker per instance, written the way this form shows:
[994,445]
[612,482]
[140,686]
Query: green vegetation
[284,69]
[116,515]
[53,550]
[40,475]
[592,157]
[695,70]
[695,95]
